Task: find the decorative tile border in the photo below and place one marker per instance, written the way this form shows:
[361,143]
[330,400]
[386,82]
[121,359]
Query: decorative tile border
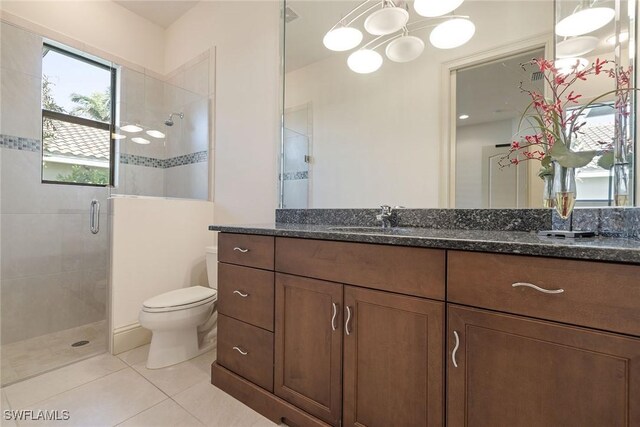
[186,159]
[288,176]
[18,143]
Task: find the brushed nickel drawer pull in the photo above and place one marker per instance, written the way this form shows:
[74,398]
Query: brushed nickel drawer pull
[239,350]
[537,288]
[240,293]
[455,349]
[346,323]
[333,318]
[244,251]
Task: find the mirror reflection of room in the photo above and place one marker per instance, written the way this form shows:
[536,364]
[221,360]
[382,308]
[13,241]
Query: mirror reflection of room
[385,127]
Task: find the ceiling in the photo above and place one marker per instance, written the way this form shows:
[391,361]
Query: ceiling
[490,92]
[162,13]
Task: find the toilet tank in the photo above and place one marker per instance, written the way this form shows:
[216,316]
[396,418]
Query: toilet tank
[211,253]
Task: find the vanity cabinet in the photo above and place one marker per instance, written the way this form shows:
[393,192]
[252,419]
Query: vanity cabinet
[516,370]
[328,333]
[308,351]
[507,370]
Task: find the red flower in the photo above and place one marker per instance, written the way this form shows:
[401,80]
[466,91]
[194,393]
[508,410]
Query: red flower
[599,65]
[572,98]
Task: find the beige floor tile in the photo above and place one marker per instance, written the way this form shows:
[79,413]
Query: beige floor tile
[215,408]
[165,414]
[55,382]
[104,402]
[174,379]
[135,356]
[4,406]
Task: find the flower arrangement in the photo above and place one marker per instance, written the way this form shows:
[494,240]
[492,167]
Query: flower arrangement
[554,123]
[553,126]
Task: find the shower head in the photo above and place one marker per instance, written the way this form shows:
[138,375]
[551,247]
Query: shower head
[169,121]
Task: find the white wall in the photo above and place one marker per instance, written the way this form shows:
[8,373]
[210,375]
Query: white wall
[377,137]
[157,246]
[246,102]
[103,27]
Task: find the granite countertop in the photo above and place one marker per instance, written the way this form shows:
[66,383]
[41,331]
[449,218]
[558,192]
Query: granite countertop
[510,242]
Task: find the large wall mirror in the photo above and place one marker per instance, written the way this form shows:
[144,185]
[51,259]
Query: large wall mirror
[414,103]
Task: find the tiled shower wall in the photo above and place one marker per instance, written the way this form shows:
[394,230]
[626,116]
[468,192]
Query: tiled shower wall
[176,166]
[53,269]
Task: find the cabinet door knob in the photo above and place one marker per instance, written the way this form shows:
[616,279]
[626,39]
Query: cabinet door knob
[240,293]
[346,323]
[455,349]
[239,350]
[537,288]
[243,250]
[333,317]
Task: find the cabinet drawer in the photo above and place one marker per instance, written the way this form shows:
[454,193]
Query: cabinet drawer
[413,271]
[246,350]
[246,294]
[246,249]
[599,295]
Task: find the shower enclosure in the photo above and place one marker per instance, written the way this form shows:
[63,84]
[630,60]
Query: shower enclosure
[54,236]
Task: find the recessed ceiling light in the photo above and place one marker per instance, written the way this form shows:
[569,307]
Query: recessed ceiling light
[463,116]
[155,133]
[624,36]
[131,128]
[139,140]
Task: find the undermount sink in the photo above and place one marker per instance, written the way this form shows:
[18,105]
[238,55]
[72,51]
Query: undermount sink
[366,229]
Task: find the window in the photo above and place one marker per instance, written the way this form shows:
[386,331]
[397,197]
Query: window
[594,183]
[78,107]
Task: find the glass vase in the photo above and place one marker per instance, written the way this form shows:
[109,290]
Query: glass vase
[548,196]
[564,189]
[621,184]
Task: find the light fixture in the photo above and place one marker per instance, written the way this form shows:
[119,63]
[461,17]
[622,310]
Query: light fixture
[463,116]
[131,128]
[117,136]
[452,33]
[387,20]
[342,38]
[570,65]
[364,61]
[155,133]
[434,8]
[584,21]
[139,140]
[624,36]
[404,49]
[576,46]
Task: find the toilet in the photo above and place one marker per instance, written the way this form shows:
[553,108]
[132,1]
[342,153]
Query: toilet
[182,321]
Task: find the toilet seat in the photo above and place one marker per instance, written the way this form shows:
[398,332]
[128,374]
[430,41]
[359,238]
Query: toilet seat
[180,299]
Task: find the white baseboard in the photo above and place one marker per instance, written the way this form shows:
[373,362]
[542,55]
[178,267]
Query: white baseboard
[129,337]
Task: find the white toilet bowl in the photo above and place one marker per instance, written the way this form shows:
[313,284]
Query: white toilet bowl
[177,320]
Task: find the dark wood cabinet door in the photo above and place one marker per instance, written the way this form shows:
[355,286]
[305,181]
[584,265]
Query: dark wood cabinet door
[308,350]
[393,360]
[514,371]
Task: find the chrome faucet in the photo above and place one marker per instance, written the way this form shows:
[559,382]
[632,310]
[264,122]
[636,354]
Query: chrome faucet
[385,216]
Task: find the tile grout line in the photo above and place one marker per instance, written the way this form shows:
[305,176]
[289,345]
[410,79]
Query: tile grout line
[72,388]
[135,415]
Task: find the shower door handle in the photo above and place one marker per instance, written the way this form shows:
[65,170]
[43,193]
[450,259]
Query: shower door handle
[94,217]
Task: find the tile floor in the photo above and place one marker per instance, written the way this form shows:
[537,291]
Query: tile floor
[34,356]
[108,390]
